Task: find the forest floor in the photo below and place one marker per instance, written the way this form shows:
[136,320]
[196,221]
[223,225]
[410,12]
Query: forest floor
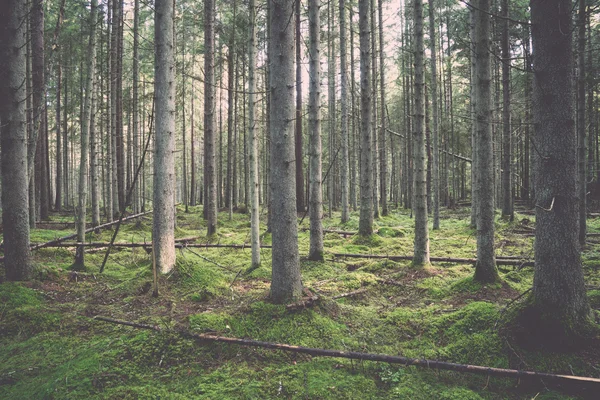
[51,347]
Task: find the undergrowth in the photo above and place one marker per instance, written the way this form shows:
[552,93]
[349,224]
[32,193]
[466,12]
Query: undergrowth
[51,346]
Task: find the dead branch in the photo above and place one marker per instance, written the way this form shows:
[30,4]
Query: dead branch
[353,355]
[499,261]
[303,303]
[349,294]
[52,243]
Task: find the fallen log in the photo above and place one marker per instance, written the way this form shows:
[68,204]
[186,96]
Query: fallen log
[443,365]
[62,239]
[179,243]
[499,261]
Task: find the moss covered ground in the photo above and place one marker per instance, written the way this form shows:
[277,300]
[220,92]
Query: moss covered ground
[52,348]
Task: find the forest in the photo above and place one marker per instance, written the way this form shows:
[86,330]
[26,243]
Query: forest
[353,199]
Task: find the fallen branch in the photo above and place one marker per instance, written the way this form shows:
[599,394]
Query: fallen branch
[499,261]
[349,294]
[475,369]
[52,243]
[303,303]
[179,243]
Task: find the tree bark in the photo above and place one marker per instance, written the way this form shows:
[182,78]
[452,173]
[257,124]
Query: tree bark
[163,235]
[253,138]
[558,285]
[13,140]
[383,166]
[300,203]
[286,285]
[366,154]
[210,173]
[314,121]
[85,135]
[507,197]
[59,173]
[435,168]
[421,244]
[581,128]
[485,270]
[344,165]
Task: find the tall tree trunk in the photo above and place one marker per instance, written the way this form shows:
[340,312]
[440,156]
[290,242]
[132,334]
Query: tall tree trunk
[36,149]
[286,284]
[300,203]
[354,119]
[435,168]
[485,269]
[120,142]
[184,166]
[59,172]
[374,133]
[13,140]
[581,128]
[163,235]
[210,173]
[136,106]
[253,138]
[331,111]
[344,166]
[365,227]
[421,245]
[94,178]
[193,151]
[231,88]
[558,297]
[114,130]
[507,197]
[85,135]
[314,120]
[473,105]
[383,166]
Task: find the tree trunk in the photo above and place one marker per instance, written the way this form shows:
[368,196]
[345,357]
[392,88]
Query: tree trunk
[344,165]
[383,166]
[35,151]
[210,175]
[163,235]
[435,168]
[559,296]
[354,119]
[59,173]
[581,128]
[13,140]
[114,55]
[85,135]
[365,227]
[94,178]
[253,138]
[374,133]
[473,104]
[314,115]
[286,284]
[230,120]
[507,197]
[193,151]
[421,245]
[485,269]
[300,203]
[136,106]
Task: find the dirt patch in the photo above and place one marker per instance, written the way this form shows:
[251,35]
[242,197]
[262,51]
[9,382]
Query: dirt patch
[486,293]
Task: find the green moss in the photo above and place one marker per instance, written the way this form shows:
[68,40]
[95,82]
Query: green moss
[391,232]
[15,295]
[369,241]
[206,280]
